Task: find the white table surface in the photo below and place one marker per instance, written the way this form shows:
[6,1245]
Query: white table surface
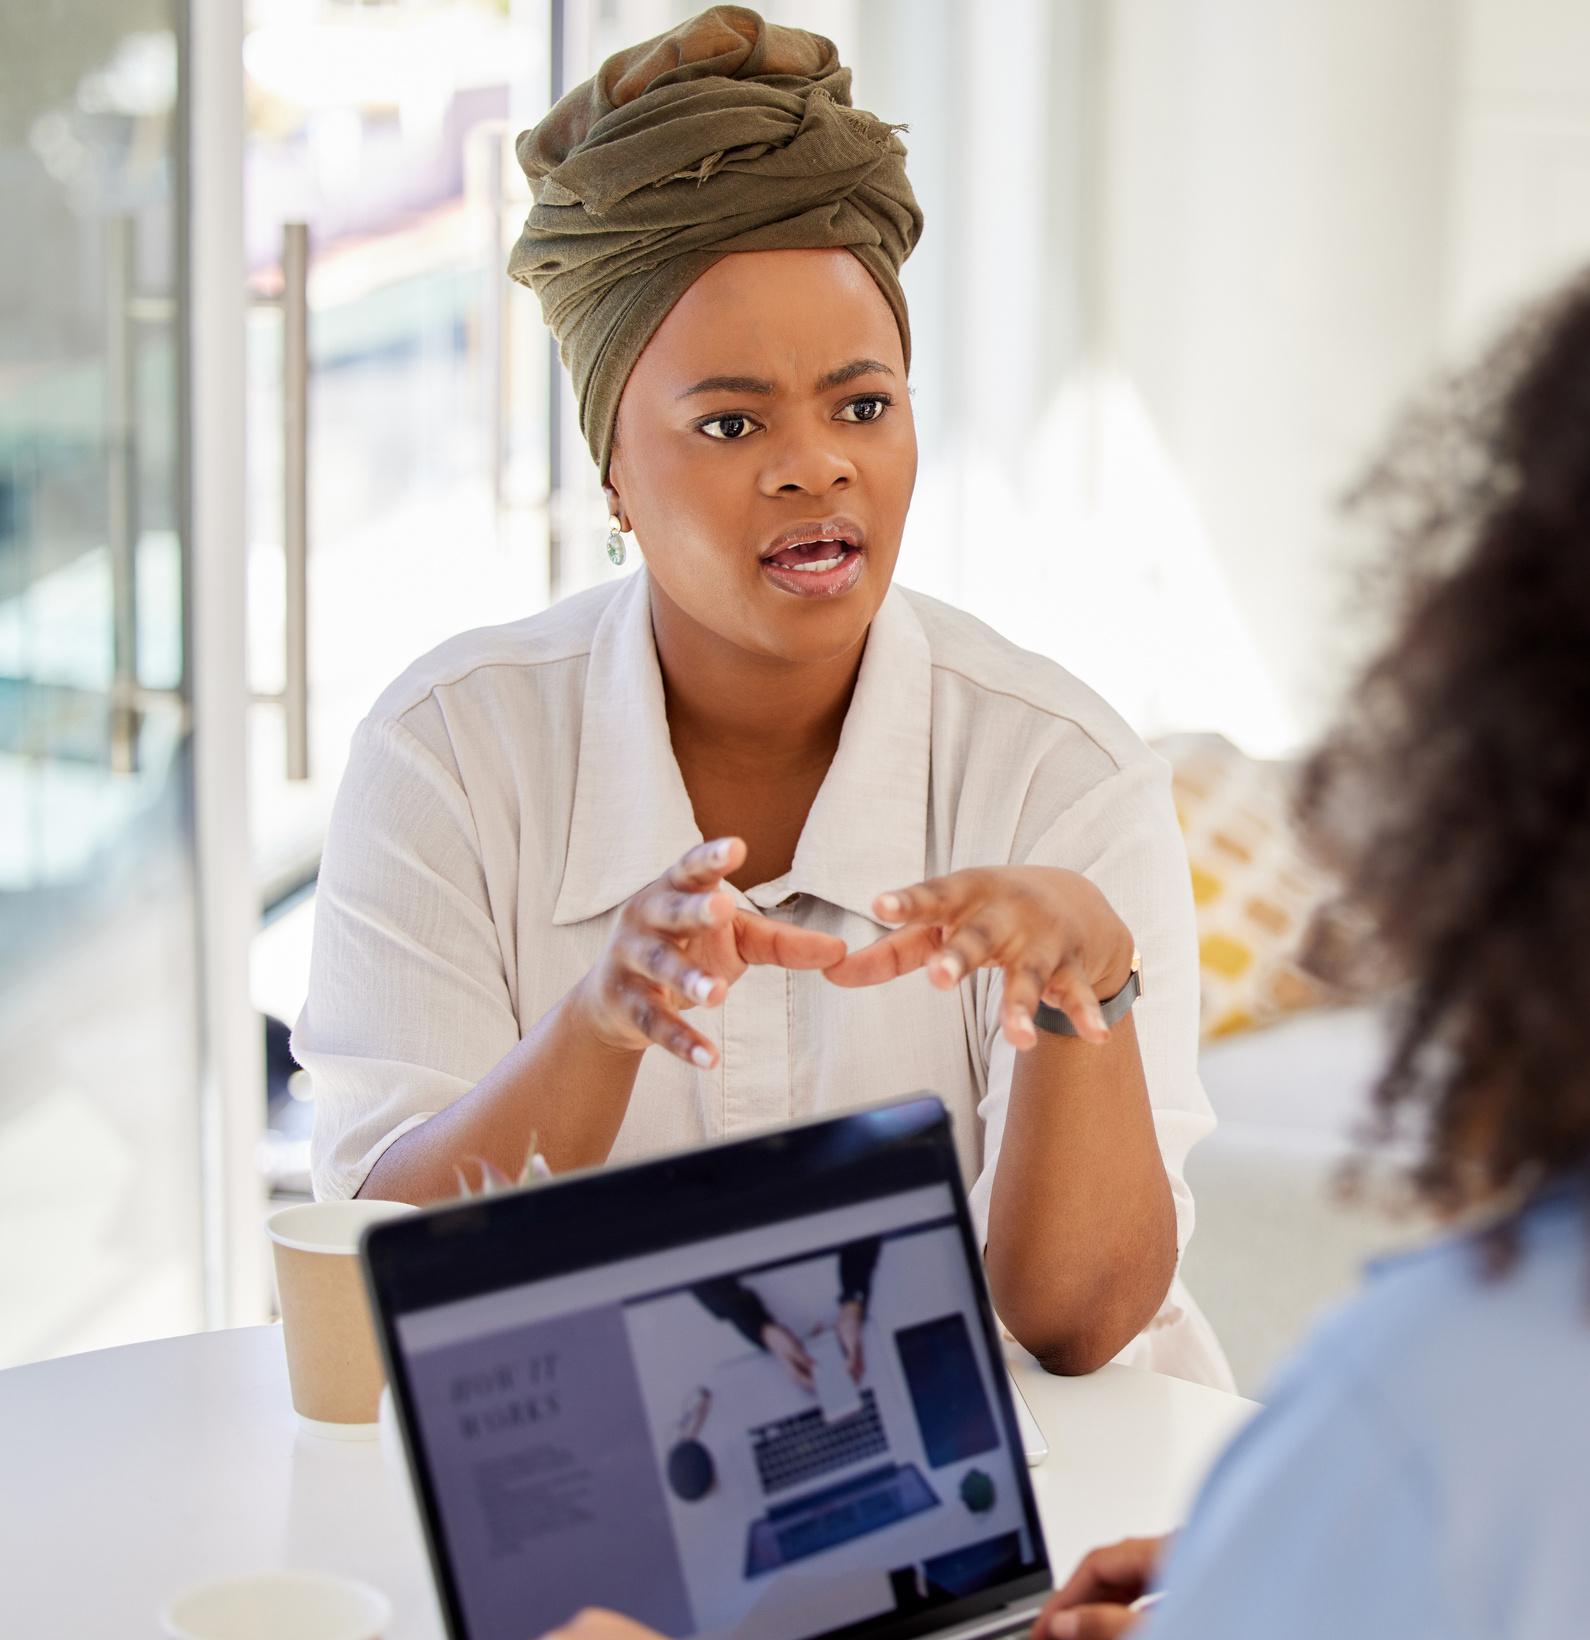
[128,1474]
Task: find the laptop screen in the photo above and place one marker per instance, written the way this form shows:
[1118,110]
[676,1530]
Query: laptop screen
[789,1424]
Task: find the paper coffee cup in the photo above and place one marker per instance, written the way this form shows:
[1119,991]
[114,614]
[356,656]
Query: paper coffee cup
[278,1606]
[333,1362]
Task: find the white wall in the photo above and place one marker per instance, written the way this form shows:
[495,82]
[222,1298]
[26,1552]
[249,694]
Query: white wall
[1521,197]
[1278,184]
[1314,205]
[1049,503]
[1182,258]
[1184,261]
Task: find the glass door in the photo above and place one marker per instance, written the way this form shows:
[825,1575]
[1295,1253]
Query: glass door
[380,141]
[100,1234]
[447,485]
[386,131]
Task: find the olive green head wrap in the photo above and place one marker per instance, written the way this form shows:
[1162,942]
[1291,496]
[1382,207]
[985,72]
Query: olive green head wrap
[725,134]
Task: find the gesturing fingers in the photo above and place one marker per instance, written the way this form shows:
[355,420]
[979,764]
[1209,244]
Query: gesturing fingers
[972,923]
[660,959]
[675,912]
[767,940]
[901,952]
[1025,979]
[655,958]
[1052,932]
[1069,991]
[706,864]
[939,900]
[650,1011]
[974,926]
[993,932]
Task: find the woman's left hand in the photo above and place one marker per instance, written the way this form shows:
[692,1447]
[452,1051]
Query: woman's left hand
[1054,934]
[848,1324]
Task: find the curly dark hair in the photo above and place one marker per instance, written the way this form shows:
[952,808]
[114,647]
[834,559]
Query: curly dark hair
[1454,797]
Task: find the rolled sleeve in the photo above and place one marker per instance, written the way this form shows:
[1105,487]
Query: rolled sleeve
[1123,836]
[408,1001]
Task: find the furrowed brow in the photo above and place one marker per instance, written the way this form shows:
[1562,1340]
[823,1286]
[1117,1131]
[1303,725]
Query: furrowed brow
[850,372]
[733,384]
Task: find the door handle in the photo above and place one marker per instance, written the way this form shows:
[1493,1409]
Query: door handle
[294,305]
[295,490]
[121,510]
[492,136]
[127,310]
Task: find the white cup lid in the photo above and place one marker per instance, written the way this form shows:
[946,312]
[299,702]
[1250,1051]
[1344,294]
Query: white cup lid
[278,1606]
[330,1227]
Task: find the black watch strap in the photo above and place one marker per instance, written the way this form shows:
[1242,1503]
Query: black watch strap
[1058,1022]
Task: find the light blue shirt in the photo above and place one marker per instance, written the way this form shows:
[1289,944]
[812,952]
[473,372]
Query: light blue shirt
[1421,1469]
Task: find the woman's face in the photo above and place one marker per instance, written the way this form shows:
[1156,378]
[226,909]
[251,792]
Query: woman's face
[765,453]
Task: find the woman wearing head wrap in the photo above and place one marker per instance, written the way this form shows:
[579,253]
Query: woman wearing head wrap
[622,877]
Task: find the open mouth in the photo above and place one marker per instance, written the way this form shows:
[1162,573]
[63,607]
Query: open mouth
[816,560]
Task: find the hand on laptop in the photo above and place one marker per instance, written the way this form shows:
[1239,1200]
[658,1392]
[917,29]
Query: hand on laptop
[1095,1604]
[847,1329]
[785,1347]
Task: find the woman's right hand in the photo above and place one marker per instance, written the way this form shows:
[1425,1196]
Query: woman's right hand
[790,1353]
[681,943]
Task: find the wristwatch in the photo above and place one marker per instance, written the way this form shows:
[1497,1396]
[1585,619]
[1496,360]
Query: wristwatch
[1055,1020]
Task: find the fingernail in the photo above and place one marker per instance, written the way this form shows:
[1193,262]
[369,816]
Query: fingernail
[950,965]
[1063,1625]
[1021,1023]
[700,988]
[720,851]
[1096,1019]
[889,906]
[700,1056]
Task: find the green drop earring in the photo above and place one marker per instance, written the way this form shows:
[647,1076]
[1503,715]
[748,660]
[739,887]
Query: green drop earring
[615,545]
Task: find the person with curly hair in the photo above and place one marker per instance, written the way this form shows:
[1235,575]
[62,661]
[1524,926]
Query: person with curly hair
[1422,1467]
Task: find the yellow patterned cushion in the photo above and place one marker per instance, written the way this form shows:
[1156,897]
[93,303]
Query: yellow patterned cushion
[1255,891]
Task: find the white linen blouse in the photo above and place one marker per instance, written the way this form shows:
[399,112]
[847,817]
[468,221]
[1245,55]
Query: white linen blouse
[513,788]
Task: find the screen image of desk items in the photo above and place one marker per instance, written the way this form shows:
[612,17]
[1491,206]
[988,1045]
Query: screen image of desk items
[806,1444]
[752,1391]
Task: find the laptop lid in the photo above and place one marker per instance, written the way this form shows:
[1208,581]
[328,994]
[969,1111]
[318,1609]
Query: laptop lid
[753,1390]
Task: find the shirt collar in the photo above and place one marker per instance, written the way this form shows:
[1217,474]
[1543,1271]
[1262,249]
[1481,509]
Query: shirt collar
[867,830]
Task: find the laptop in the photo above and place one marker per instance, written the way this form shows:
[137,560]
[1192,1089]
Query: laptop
[749,1392]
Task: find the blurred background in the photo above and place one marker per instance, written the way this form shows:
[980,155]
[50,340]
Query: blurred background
[273,423]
